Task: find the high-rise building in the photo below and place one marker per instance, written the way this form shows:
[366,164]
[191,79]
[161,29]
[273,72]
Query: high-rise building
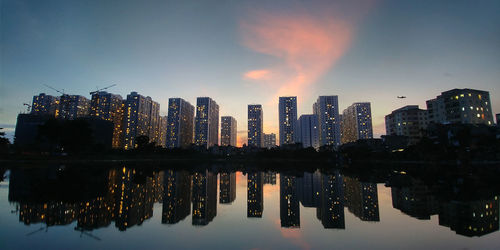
[73,106]
[327,110]
[330,210]
[227,186]
[255,194]
[176,196]
[361,199]
[255,125]
[357,122]
[45,105]
[207,122]
[204,197]
[287,119]
[308,131]
[228,131]
[136,118]
[468,106]
[163,131]
[269,140]
[154,123]
[407,121]
[109,107]
[180,123]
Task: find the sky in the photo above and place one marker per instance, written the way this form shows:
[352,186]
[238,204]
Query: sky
[250,52]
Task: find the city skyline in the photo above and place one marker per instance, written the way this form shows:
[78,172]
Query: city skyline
[426,51]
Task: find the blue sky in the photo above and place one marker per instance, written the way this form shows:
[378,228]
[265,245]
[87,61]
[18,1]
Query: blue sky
[358,50]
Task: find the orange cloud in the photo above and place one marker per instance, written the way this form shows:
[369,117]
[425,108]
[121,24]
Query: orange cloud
[306,46]
[293,234]
[262,74]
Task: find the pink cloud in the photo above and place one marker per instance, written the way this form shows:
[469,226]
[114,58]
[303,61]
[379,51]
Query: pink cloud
[306,46]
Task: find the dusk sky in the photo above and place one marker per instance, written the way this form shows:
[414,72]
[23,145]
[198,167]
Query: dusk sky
[247,52]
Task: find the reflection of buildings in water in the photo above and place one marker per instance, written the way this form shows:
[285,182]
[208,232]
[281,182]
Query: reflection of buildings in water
[308,189]
[361,199]
[227,187]
[330,210]
[95,213]
[204,197]
[51,213]
[415,200]
[255,194]
[270,178]
[134,200]
[470,218]
[176,196]
[289,202]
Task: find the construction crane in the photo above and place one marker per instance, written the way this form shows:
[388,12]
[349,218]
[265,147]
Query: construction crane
[28,107]
[58,91]
[98,89]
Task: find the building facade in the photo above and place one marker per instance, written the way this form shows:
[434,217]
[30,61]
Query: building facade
[136,118]
[45,105]
[109,107]
[154,123]
[255,125]
[269,140]
[357,122]
[467,106]
[73,106]
[308,131]
[180,123]
[228,131]
[287,119]
[327,110]
[407,121]
[206,122]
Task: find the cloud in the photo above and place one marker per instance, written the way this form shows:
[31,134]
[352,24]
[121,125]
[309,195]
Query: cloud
[305,45]
[262,74]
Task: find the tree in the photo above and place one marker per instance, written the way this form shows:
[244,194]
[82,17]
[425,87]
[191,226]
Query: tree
[4,142]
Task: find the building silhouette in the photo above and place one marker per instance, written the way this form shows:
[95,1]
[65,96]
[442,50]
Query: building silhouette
[180,123]
[270,178]
[204,197]
[415,199]
[308,131]
[308,189]
[227,185]
[207,122]
[289,202]
[327,110]
[255,194]
[269,140]
[357,122]
[255,125]
[287,119]
[73,106]
[228,132]
[409,121]
[45,105]
[468,106]
[163,131]
[109,107]
[154,123]
[136,118]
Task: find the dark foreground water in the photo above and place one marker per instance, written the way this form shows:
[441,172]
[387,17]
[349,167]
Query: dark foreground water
[216,208]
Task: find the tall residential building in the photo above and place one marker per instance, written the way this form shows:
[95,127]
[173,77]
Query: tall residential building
[357,122]
[136,118]
[180,123]
[330,210]
[407,121]
[468,106]
[204,197]
[227,186]
[327,110]
[287,119]
[289,202]
[45,105]
[228,131]
[269,140]
[308,131]
[176,196]
[163,131]
[255,125]
[154,123]
[206,132]
[73,106]
[109,107]
[255,194]
[361,199]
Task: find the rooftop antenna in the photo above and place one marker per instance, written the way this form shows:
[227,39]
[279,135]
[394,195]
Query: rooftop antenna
[97,89]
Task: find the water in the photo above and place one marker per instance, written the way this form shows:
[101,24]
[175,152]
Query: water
[216,207]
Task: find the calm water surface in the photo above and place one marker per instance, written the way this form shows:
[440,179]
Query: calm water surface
[127,208]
